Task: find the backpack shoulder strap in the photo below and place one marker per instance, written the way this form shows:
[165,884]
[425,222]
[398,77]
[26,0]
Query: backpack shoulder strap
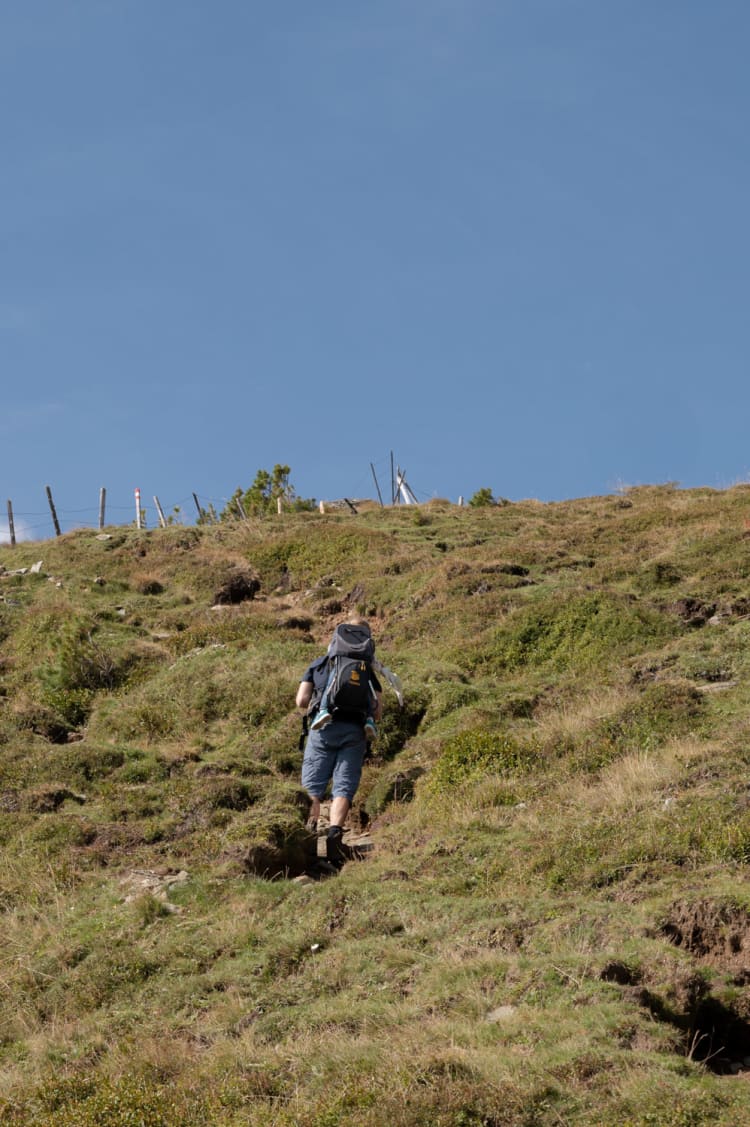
[320,665]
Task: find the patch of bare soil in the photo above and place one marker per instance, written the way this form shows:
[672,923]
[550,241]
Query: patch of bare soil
[715,1031]
[717,934]
[239,586]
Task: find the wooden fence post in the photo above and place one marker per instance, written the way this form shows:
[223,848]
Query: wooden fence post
[102,500]
[162,521]
[55,521]
[376,485]
[11,526]
[138,508]
[278,505]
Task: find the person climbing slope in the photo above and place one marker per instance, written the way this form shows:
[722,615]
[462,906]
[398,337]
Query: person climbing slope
[345,681]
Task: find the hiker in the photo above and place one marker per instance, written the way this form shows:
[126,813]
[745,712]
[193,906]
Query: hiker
[343,678]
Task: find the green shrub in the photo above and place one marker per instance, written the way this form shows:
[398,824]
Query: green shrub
[142,768]
[661,573]
[663,709]
[82,761]
[399,724]
[71,705]
[128,1102]
[482,498]
[79,661]
[474,753]
[575,629]
[448,696]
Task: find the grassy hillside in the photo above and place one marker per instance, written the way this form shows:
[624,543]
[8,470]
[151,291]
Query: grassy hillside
[553,926]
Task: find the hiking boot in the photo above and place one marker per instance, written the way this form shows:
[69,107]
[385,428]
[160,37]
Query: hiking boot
[371,731]
[324,717]
[336,852]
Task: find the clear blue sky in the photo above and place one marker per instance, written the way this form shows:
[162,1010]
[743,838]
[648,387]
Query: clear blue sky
[506,239]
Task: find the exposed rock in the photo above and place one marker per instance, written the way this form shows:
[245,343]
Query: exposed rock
[156,882]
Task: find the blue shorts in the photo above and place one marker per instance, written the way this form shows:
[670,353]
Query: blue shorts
[336,753]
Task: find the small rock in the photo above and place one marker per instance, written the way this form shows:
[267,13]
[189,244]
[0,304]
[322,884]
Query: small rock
[178,878]
[100,581]
[303,879]
[36,568]
[103,536]
[502,1013]
[315,947]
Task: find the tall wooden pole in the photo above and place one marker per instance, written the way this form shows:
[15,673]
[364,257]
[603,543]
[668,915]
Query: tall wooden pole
[376,485]
[393,483]
[159,510]
[11,525]
[198,505]
[52,509]
[102,501]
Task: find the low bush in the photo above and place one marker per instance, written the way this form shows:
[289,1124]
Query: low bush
[581,630]
[471,754]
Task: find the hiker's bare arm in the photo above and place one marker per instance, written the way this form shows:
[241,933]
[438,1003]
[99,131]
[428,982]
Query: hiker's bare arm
[304,695]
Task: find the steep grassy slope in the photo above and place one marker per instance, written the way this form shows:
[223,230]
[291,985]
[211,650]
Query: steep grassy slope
[554,925]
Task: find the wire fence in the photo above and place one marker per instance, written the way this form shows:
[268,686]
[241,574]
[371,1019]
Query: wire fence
[46,523]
